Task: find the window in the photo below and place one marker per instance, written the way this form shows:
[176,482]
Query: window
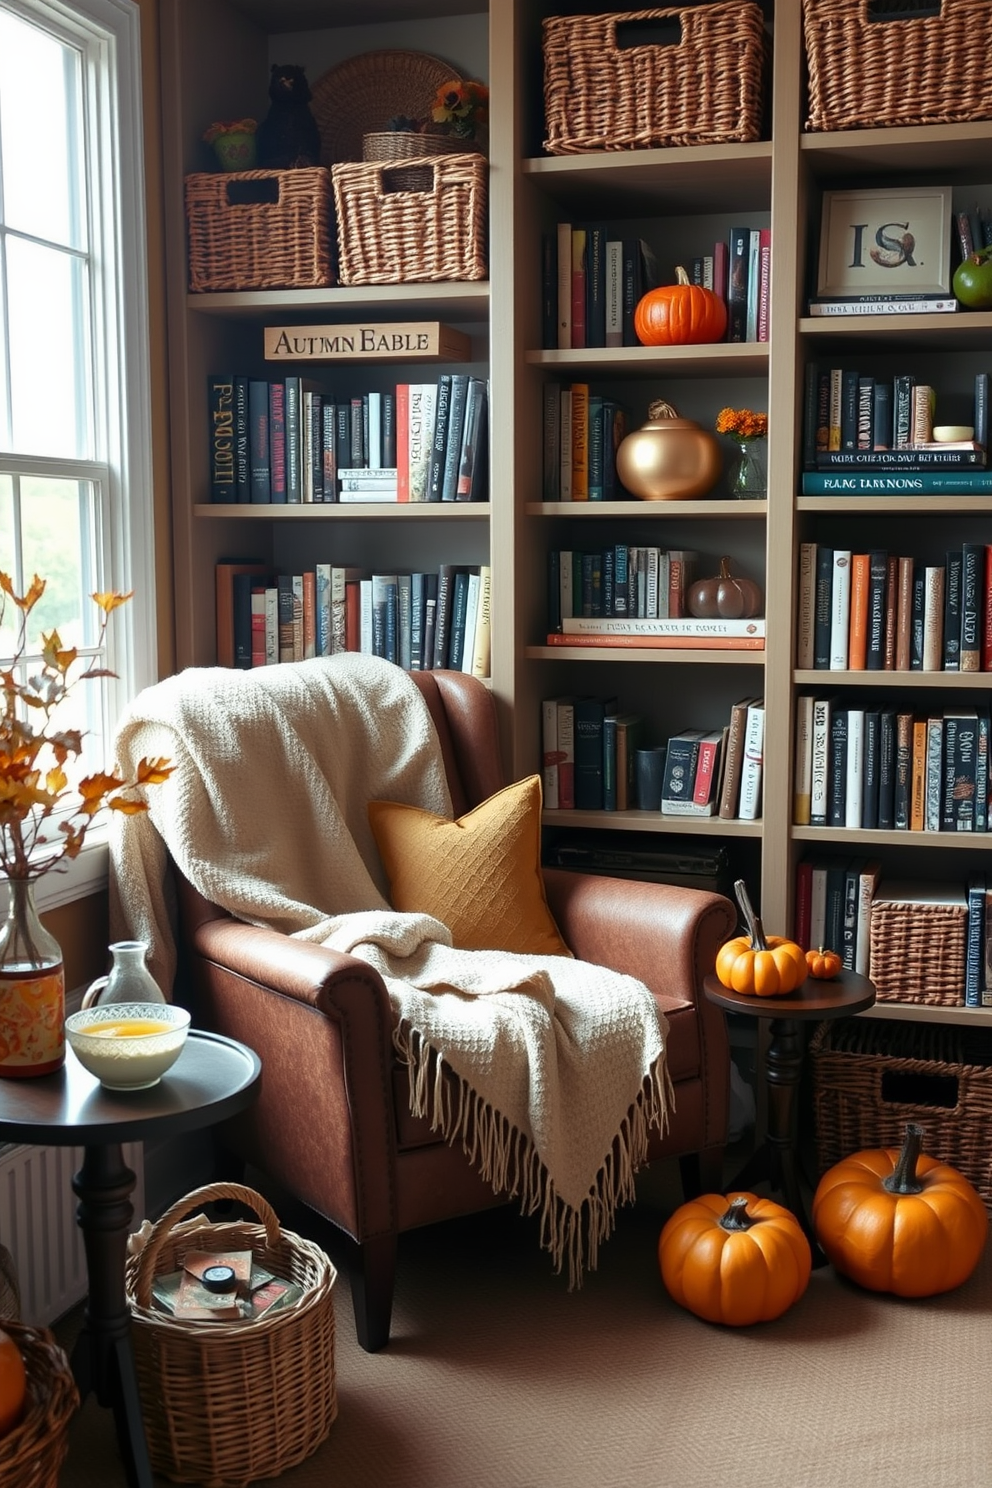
[75,426]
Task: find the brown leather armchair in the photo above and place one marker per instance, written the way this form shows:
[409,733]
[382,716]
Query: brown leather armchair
[332,1123]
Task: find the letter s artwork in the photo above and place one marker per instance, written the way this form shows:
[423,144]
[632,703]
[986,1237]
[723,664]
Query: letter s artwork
[892,252]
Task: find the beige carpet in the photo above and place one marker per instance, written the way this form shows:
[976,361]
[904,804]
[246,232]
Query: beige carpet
[498,1377]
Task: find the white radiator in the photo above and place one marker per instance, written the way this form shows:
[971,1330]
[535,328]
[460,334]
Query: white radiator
[38,1225]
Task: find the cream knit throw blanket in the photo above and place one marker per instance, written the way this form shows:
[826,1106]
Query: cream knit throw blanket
[560,1064]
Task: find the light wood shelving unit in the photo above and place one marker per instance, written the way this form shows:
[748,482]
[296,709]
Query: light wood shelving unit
[216,58]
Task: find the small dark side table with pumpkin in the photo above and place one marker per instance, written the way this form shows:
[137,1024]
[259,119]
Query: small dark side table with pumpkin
[213,1078]
[776,1158]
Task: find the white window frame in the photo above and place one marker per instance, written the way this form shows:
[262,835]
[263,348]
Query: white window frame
[108,35]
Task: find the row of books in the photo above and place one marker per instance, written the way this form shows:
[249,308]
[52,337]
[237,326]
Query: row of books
[836,895]
[621,580]
[877,611]
[421,621]
[592,281]
[288,441]
[581,433]
[874,767]
[595,758]
[851,418]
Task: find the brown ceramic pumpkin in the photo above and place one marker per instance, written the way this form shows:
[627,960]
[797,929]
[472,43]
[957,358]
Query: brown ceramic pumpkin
[669,458]
[726,595]
[680,314]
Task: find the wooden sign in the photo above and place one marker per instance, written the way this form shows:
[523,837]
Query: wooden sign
[408,340]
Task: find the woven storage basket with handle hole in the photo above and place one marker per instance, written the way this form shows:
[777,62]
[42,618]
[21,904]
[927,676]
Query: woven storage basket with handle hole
[259,229]
[226,1403]
[32,1453]
[869,69]
[918,952]
[701,82]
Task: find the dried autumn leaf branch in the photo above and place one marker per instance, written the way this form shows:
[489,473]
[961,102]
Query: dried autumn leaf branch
[34,749]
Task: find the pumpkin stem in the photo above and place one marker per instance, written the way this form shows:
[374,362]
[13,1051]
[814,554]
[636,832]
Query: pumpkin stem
[903,1179]
[737,1217]
[725,568]
[754,927]
[661,410]
[681,277]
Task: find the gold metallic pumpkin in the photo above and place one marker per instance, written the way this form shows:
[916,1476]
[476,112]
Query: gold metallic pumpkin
[669,458]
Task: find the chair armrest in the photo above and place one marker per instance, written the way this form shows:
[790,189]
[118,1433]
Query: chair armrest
[321,1023]
[666,936]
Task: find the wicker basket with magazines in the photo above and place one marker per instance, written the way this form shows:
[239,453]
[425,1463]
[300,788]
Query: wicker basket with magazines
[32,1452]
[228,1401]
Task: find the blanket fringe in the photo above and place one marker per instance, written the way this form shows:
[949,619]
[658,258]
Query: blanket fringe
[506,1158]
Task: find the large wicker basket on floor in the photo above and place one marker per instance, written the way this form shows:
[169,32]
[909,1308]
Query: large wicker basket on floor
[705,87]
[419,222]
[32,1454]
[260,229]
[871,1077]
[227,1403]
[899,69]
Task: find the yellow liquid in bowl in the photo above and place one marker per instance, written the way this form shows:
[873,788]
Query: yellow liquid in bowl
[128,1028]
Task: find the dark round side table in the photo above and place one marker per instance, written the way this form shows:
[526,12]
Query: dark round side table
[776,1158]
[213,1078]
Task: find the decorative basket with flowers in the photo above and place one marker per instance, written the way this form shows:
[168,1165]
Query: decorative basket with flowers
[44,820]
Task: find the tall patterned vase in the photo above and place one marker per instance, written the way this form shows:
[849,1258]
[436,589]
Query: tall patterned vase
[32,990]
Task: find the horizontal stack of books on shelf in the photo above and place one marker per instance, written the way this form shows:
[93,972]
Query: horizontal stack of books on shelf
[866,435]
[835,896]
[592,280]
[421,621]
[595,757]
[630,595]
[290,442]
[878,611]
[890,768]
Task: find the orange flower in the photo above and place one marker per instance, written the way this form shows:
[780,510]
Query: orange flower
[34,749]
[461,105]
[742,423]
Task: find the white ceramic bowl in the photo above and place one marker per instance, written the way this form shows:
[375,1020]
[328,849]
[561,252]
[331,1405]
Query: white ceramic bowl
[122,1059]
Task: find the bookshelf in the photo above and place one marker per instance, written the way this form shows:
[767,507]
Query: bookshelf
[675,198]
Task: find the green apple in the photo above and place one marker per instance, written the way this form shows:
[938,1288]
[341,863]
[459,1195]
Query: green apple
[972,283]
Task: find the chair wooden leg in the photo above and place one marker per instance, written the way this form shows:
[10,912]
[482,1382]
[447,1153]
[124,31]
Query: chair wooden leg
[702,1172]
[373,1277]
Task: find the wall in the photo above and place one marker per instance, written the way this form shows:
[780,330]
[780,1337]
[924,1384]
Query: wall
[81,928]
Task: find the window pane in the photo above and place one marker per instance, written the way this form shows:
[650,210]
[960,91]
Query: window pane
[49,369]
[8,562]
[35,67]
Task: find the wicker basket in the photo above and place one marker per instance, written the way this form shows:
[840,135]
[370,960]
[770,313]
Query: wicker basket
[390,146]
[390,233]
[33,1452]
[870,1078]
[706,89]
[917,952]
[226,1403]
[868,73]
[262,229]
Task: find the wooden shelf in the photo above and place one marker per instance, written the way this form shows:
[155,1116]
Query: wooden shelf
[950,681]
[738,360]
[656,510]
[896,505]
[651,821]
[863,839]
[914,1012]
[335,511]
[656,654]
[463,302]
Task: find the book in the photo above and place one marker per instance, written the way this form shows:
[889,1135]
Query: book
[869,873]
[837,773]
[823,607]
[802,784]
[259,477]
[871,763]
[939,305]
[580,441]
[952,610]
[819,790]
[857,644]
[459,617]
[734,759]
[683,626]
[738,249]
[420,436]
[707,771]
[878,565]
[630,732]
[234,615]
[960,765]
[933,617]
[802,904]
[473,461]
[900,458]
[549,753]
[840,609]
[659,642]
[679,776]
[972,606]
[975,942]
[566,753]
[435,474]
[855,768]
[220,425]
[563,262]
[904,614]
[578,288]
[595,307]
[613,327]
[402,396]
[481,650]
[752,762]
[897,483]
[806,605]
[588,716]
[453,446]
[277,442]
[902,787]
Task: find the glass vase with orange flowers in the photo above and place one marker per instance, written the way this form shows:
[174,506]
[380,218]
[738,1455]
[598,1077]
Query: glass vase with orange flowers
[44,819]
[749,430]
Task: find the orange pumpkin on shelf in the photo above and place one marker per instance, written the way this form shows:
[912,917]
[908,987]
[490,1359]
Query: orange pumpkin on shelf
[679,314]
[895,1220]
[736,1260]
[757,964]
[823,964]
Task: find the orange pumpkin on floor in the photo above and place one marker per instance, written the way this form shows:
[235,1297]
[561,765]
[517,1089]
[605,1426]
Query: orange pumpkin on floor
[895,1220]
[736,1260]
[13,1383]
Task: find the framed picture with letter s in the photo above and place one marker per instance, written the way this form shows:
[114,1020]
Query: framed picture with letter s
[885,242]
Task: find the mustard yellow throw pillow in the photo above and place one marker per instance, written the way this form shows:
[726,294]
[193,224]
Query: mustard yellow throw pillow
[479,875]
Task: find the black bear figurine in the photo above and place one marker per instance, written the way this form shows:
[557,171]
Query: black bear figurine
[288,136]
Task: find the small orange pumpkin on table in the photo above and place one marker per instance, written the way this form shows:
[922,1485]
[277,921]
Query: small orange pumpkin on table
[756,964]
[824,964]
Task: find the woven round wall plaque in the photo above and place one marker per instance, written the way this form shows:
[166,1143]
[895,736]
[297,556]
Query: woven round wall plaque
[363,93]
